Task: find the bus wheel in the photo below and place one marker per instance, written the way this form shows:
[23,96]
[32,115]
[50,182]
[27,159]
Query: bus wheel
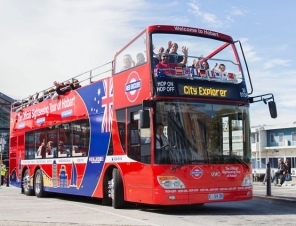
[26,183]
[117,190]
[107,185]
[38,184]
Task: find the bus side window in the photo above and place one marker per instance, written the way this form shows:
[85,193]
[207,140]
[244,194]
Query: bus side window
[133,134]
[139,140]
[120,117]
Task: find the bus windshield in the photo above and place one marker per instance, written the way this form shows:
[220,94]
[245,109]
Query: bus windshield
[209,59]
[202,133]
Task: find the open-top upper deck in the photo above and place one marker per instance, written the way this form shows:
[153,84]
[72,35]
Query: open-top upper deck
[211,59]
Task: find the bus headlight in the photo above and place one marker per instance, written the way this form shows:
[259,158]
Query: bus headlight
[248,180]
[170,182]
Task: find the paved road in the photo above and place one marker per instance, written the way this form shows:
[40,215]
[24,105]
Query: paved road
[18,209]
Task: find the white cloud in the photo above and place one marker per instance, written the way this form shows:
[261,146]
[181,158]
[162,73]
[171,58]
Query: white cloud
[249,51]
[60,39]
[207,18]
[275,63]
[237,12]
[229,18]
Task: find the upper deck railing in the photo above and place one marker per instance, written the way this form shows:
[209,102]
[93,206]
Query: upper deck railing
[197,72]
[83,79]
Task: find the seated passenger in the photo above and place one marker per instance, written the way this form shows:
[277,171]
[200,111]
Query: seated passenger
[41,150]
[61,149]
[195,64]
[140,59]
[205,65]
[221,70]
[221,67]
[172,50]
[128,62]
[62,88]
[49,148]
[75,84]
[33,100]
[169,68]
[157,57]
[77,152]
[162,145]
[48,94]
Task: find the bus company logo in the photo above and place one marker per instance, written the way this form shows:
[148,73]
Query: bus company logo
[66,113]
[215,174]
[21,125]
[96,159]
[40,120]
[133,86]
[196,172]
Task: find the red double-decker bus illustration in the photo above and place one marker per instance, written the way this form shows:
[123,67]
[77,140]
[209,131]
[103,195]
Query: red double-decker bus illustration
[154,126]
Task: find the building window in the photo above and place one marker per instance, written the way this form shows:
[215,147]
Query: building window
[273,162]
[254,138]
[293,136]
[272,140]
[281,137]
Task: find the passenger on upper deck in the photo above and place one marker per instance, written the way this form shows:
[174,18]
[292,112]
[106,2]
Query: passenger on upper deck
[205,65]
[169,68]
[48,94]
[172,49]
[157,57]
[33,100]
[140,59]
[195,64]
[62,88]
[221,67]
[75,84]
[128,62]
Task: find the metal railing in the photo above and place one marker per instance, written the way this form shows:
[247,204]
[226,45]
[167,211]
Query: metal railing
[84,79]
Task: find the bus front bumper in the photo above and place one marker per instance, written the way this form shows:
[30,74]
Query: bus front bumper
[197,196]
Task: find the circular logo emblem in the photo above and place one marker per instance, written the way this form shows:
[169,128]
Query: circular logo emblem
[196,172]
[133,86]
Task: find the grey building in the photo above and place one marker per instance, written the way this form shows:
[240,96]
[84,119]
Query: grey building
[270,143]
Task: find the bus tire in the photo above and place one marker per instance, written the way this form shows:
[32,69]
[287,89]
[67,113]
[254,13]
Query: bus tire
[117,190]
[26,184]
[38,184]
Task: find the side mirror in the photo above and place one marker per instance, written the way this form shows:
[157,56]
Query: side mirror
[272,109]
[144,119]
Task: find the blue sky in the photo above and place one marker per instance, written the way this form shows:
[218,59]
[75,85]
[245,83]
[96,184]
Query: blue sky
[53,40]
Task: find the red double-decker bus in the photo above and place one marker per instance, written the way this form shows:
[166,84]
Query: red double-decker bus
[156,127]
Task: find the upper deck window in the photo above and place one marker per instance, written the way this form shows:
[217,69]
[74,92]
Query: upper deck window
[134,54]
[208,59]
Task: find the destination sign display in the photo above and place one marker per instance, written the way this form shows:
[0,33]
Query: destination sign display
[200,89]
[205,91]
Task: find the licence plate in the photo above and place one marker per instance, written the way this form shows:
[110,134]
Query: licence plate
[217,196]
